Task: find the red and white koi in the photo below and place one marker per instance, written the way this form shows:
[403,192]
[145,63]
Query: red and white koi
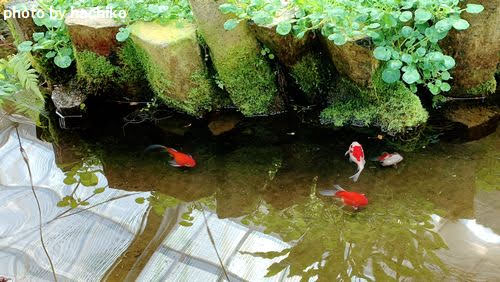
[357,156]
[387,159]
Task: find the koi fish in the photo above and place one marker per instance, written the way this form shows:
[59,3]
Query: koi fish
[387,159]
[353,199]
[357,156]
[180,159]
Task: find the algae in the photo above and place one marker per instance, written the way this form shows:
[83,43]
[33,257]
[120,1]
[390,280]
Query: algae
[313,76]
[485,88]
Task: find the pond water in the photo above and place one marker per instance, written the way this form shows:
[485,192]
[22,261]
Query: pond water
[434,216]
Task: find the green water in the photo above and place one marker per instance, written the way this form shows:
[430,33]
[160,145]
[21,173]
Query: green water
[434,217]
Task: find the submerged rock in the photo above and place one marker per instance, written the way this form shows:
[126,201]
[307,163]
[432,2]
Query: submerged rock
[476,51]
[473,122]
[172,59]
[69,103]
[244,72]
[223,123]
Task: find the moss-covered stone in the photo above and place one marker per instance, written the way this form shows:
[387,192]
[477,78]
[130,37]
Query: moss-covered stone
[313,76]
[392,107]
[476,51]
[172,59]
[244,72]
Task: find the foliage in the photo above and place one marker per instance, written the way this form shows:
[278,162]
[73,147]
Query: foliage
[406,33]
[19,92]
[54,41]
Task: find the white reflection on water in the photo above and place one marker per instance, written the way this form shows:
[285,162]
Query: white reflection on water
[481,232]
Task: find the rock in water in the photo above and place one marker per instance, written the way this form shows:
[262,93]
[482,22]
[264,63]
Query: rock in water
[473,122]
[223,124]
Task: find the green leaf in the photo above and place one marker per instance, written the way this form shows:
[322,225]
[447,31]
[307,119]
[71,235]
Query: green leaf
[445,87]
[411,76]
[228,8]
[89,179]
[421,51]
[50,54]
[62,203]
[389,20]
[390,75]
[443,25]
[69,180]
[123,34]
[139,200]
[185,223]
[231,24]
[374,25]
[449,62]
[422,15]
[407,58]
[337,38]
[405,16]
[395,64]
[25,46]
[38,35]
[445,75]
[284,28]
[461,24]
[406,31]
[62,61]
[382,53]
[262,18]
[99,190]
[66,51]
[474,8]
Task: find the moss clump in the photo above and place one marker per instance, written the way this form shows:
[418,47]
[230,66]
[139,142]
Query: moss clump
[130,70]
[249,80]
[393,108]
[313,76]
[94,69]
[485,88]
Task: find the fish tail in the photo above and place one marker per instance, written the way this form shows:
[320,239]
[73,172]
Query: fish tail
[331,192]
[154,148]
[338,188]
[356,176]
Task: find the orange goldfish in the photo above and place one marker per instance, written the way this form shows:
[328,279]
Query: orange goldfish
[180,159]
[353,199]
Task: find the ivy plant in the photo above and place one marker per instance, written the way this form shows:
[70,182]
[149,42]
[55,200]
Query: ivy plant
[405,33]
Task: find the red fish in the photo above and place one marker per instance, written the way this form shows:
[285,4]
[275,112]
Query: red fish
[180,159]
[353,199]
[357,156]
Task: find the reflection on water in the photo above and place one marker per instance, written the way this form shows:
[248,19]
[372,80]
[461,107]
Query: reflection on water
[434,217]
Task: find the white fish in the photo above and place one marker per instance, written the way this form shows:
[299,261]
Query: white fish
[387,159]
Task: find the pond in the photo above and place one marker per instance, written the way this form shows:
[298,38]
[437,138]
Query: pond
[250,210]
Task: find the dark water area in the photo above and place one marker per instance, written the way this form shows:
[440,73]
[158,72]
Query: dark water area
[434,216]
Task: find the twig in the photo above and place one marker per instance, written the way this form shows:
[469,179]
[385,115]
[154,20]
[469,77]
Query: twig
[213,243]
[26,161]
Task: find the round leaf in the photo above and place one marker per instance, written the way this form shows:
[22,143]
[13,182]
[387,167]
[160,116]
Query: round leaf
[230,24]
[284,28]
[337,38]
[390,75]
[382,53]
[62,61]
[395,64]
[461,24]
[449,62]
[406,31]
[411,76]
[405,16]
[139,200]
[443,25]
[445,87]
[422,15]
[474,8]
[25,46]
[407,58]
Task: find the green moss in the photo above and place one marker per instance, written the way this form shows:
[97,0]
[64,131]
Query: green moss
[249,80]
[393,108]
[94,69]
[312,75]
[130,70]
[199,99]
[485,88]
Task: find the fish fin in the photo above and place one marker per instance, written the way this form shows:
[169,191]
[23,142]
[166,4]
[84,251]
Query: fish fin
[356,176]
[338,188]
[346,153]
[154,147]
[174,163]
[328,192]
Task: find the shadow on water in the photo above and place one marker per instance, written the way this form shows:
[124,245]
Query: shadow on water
[264,175]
